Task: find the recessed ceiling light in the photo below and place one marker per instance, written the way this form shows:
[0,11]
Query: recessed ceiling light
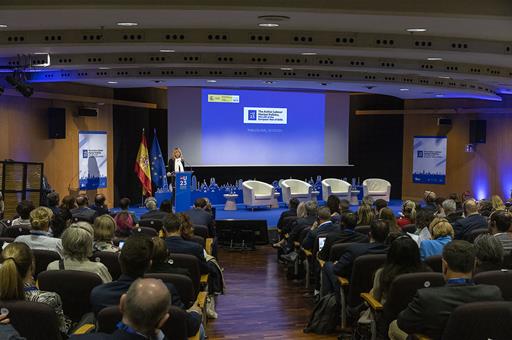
[268,24]
[434,59]
[268,82]
[439,95]
[413,30]
[286,69]
[104,68]
[211,81]
[309,53]
[167,51]
[444,77]
[404,89]
[3,26]
[127,24]
[112,82]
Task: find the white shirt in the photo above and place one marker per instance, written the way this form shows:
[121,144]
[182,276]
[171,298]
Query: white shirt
[178,165]
[42,241]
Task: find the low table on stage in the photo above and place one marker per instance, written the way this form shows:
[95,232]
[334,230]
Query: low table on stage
[314,195]
[230,201]
[275,200]
[354,200]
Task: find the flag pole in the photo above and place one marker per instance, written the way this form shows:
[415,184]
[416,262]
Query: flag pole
[142,186]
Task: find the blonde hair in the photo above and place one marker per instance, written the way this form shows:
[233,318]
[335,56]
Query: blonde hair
[40,218]
[104,228]
[365,215]
[301,210]
[497,203]
[16,260]
[174,152]
[409,210]
[440,227]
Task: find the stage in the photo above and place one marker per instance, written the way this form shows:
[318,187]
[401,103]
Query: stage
[270,215]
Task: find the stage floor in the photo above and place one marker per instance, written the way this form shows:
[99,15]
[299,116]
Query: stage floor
[271,215]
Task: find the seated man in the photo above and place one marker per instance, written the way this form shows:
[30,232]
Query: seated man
[135,260]
[199,216]
[345,234]
[323,227]
[23,209]
[176,244]
[284,221]
[430,308]
[145,309]
[303,223]
[450,211]
[379,231]
[153,212]
[379,204]
[499,226]
[99,205]
[39,237]
[472,220]
[83,212]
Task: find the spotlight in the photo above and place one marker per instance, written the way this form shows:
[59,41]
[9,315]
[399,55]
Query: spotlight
[17,79]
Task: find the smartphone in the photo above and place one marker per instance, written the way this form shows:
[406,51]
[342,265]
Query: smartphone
[321,242]
[121,244]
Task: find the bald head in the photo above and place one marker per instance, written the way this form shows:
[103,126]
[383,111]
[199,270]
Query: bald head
[145,306]
[470,207]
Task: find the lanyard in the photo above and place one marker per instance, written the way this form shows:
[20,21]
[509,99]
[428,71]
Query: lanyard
[30,289]
[458,281]
[121,326]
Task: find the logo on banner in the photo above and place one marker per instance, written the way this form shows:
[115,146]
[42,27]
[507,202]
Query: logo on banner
[85,153]
[420,154]
[183,182]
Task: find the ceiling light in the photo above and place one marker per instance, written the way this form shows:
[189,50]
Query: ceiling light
[404,89]
[112,82]
[286,69]
[414,30]
[434,59]
[211,81]
[127,24]
[268,24]
[167,51]
[309,53]
[3,26]
[104,68]
[444,77]
[439,95]
[268,82]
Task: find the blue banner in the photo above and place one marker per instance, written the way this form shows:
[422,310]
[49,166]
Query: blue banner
[429,160]
[92,159]
[158,172]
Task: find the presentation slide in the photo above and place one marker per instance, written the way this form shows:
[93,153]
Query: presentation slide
[258,127]
[248,127]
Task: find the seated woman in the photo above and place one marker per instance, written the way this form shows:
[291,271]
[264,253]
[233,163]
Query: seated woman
[408,215]
[186,227]
[442,234]
[489,253]
[333,203]
[387,215]
[160,260]
[17,282]
[365,214]
[124,224]
[77,244]
[104,227]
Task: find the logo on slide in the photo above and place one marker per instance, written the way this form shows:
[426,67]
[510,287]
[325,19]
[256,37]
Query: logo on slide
[85,153]
[265,115]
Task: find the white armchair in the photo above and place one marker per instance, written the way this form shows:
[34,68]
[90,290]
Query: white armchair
[377,188]
[336,187]
[257,193]
[294,188]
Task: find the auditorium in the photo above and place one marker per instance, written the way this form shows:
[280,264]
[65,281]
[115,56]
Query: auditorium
[258,169]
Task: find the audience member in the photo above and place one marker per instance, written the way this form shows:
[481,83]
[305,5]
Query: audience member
[323,226]
[472,220]
[408,215]
[345,234]
[68,204]
[39,237]
[344,206]
[77,243]
[283,223]
[60,216]
[104,227]
[365,214]
[387,214]
[176,244]
[497,203]
[83,212]
[153,213]
[457,200]
[302,222]
[99,205]
[200,216]
[53,200]
[489,253]
[160,259]
[439,205]
[124,223]
[145,309]
[430,201]
[429,310]
[186,227]
[135,260]
[485,208]
[500,226]
[379,204]
[379,231]
[124,204]
[23,210]
[442,234]
[17,282]
[424,218]
[333,203]
[166,206]
[450,211]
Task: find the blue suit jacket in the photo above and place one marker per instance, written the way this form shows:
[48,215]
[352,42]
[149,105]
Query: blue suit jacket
[178,245]
[324,228]
[463,226]
[344,265]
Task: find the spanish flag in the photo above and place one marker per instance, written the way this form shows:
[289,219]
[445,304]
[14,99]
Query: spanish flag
[142,166]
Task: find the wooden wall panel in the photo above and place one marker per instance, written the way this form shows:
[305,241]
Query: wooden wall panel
[24,135]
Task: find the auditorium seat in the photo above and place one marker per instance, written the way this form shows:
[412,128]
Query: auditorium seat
[191,263]
[500,278]
[14,232]
[435,263]
[200,230]
[145,231]
[110,260]
[294,188]
[183,285]
[43,258]
[480,320]
[362,229]
[473,234]
[402,290]
[74,288]
[377,188]
[33,320]
[199,240]
[257,194]
[155,224]
[336,187]
[409,228]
